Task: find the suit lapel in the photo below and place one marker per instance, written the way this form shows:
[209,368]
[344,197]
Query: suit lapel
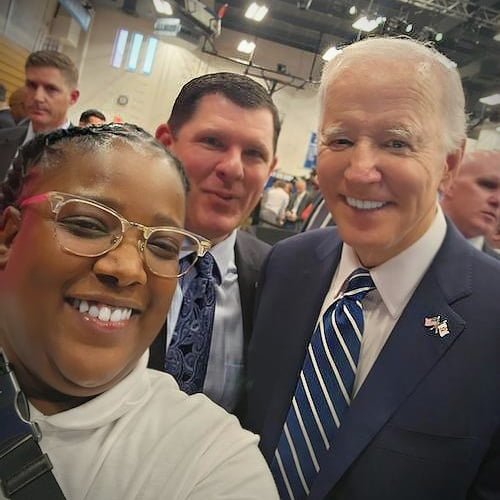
[249,255]
[407,357]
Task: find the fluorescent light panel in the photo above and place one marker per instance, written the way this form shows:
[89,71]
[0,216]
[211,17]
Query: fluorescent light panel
[246,47]
[330,53]
[491,100]
[163,7]
[256,12]
[365,24]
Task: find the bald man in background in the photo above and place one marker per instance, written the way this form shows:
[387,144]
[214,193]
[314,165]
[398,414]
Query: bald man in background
[472,201]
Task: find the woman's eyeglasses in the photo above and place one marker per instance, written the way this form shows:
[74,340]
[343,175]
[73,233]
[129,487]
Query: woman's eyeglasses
[89,229]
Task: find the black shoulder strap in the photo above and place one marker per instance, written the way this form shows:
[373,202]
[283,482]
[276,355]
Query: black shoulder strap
[25,471]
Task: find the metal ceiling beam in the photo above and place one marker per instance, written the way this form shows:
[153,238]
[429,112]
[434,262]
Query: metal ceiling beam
[461,9]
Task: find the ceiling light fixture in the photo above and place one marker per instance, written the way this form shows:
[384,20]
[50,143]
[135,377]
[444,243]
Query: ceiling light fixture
[491,100]
[365,24]
[256,12]
[330,53]
[163,7]
[246,47]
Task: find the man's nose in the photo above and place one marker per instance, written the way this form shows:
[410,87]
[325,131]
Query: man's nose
[230,167]
[363,164]
[39,94]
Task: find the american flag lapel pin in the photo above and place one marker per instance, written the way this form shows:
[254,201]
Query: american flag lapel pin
[437,325]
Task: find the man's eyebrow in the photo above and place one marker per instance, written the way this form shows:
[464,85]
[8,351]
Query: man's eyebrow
[402,131]
[334,129]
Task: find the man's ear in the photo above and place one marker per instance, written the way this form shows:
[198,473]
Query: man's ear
[9,227]
[73,96]
[164,134]
[452,165]
[273,165]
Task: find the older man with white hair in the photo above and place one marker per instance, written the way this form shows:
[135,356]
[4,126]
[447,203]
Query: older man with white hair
[373,367]
[472,202]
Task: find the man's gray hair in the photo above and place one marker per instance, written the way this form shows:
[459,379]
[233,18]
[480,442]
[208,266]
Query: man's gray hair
[429,65]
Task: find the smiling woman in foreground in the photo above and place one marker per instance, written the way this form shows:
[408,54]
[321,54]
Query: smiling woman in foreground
[90,237]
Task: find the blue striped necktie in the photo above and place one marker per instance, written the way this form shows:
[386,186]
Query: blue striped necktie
[323,392]
[187,355]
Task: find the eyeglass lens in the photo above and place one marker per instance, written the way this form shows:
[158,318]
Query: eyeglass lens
[87,230]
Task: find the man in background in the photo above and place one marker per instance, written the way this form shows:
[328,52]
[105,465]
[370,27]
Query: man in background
[298,202]
[51,88]
[6,119]
[17,107]
[373,367]
[273,204]
[91,117]
[472,202]
[224,128]
[493,239]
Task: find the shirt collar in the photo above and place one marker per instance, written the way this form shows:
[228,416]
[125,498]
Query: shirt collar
[30,134]
[477,242]
[106,407]
[409,267]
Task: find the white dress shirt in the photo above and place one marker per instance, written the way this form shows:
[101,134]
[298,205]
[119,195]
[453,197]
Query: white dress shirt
[395,281]
[30,134]
[225,363]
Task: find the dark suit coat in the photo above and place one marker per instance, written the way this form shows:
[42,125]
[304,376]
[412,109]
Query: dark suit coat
[6,120]
[302,205]
[489,251]
[425,424]
[250,253]
[10,140]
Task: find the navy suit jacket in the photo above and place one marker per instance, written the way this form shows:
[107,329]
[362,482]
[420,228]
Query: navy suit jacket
[425,424]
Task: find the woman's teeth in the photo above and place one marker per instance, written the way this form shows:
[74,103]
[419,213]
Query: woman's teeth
[102,311]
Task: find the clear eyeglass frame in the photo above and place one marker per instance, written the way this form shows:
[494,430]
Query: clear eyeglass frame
[194,245]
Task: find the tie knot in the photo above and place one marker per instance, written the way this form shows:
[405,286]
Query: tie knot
[205,266]
[359,283]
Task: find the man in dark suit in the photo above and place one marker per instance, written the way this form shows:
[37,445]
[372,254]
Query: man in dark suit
[373,366]
[224,128]
[51,88]
[6,119]
[298,202]
[473,200]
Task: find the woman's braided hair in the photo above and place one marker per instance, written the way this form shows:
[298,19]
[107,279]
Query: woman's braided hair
[45,150]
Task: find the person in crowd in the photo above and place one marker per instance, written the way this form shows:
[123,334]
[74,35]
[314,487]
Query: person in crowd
[17,107]
[472,202]
[373,367]
[6,119]
[91,117]
[274,203]
[79,313]
[51,88]
[224,128]
[493,239]
[318,215]
[297,204]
